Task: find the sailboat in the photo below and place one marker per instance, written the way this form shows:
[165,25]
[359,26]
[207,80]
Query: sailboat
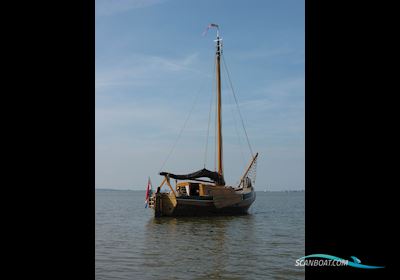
[205,192]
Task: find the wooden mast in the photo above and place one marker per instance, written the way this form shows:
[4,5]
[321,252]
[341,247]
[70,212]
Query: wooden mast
[219,112]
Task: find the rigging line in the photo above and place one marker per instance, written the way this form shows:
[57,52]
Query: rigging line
[183,127]
[237,133]
[237,105]
[209,120]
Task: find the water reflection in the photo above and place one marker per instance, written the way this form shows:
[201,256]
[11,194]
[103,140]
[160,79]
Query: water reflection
[200,246]
[131,244]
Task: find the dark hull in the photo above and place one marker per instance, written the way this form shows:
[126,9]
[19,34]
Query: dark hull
[206,207]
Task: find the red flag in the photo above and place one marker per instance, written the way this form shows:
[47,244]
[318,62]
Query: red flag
[148,193]
[209,26]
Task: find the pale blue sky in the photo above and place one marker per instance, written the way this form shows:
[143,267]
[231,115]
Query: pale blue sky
[151,63]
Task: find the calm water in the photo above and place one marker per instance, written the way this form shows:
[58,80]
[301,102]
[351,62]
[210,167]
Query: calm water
[131,244]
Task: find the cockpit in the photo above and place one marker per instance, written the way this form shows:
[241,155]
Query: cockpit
[188,189]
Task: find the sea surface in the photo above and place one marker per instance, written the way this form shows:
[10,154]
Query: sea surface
[132,244]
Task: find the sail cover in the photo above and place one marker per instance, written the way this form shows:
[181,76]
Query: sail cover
[214,176]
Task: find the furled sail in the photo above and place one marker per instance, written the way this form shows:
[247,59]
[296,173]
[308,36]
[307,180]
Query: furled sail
[214,176]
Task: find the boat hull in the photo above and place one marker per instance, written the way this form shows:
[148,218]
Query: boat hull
[170,206]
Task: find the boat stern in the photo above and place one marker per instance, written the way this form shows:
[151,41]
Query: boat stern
[163,204]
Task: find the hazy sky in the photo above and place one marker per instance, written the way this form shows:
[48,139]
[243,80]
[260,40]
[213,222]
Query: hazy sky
[152,63]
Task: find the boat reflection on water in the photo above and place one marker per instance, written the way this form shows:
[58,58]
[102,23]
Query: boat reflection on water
[210,247]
